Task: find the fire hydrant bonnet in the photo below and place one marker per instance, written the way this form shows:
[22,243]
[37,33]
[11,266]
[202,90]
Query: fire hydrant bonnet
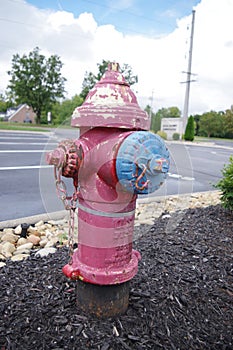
[111,103]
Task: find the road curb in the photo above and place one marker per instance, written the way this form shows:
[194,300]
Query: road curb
[198,144]
[57,215]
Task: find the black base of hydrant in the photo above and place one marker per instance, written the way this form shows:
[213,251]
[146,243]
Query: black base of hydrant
[103,301]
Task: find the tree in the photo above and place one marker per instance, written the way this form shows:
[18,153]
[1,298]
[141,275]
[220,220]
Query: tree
[170,112]
[173,112]
[63,111]
[4,104]
[155,123]
[190,128]
[211,124]
[197,123]
[91,79]
[228,122]
[36,81]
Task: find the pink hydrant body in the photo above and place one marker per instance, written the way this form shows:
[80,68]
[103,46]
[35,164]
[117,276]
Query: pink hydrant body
[106,214]
[112,162]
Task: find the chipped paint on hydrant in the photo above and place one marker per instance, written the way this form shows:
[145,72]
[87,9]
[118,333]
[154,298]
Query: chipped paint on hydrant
[113,161]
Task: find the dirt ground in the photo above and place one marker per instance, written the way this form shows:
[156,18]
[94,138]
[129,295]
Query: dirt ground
[181,298]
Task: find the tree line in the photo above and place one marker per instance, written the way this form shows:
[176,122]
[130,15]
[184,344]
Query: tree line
[208,124]
[38,82]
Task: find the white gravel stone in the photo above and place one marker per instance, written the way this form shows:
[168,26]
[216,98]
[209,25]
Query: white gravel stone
[7,249]
[46,251]
[8,230]
[49,244]
[19,250]
[18,230]
[43,242]
[39,223]
[19,257]
[147,222]
[49,226]
[32,229]
[41,228]
[28,245]
[21,241]
[2,264]
[9,237]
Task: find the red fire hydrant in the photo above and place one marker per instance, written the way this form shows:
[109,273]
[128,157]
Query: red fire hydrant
[112,162]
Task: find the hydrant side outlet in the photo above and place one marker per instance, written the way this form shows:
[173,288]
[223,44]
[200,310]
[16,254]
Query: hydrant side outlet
[142,162]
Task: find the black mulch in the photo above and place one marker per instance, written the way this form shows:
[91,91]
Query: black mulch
[181,298]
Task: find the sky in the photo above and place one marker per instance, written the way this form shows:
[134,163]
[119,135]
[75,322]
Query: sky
[152,36]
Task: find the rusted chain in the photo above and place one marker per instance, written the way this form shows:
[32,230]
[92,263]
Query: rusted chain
[69,203]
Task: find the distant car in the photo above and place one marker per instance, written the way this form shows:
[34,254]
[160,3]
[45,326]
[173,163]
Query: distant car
[27,120]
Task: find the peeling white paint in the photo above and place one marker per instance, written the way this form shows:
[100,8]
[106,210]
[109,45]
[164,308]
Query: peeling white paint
[107,96]
[120,78]
[76,114]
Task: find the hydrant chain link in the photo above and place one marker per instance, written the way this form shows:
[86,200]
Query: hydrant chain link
[63,195]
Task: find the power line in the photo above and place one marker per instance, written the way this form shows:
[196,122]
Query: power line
[118,27]
[123,11]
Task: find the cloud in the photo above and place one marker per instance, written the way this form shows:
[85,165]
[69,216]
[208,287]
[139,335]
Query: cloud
[82,43]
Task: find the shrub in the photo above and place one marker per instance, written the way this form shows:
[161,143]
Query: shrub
[176,136]
[190,129]
[226,185]
[162,134]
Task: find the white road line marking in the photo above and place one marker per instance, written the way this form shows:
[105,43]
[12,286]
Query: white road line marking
[26,167]
[25,151]
[176,176]
[22,137]
[187,178]
[27,143]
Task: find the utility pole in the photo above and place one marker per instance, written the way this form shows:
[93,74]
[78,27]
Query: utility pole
[188,77]
[151,103]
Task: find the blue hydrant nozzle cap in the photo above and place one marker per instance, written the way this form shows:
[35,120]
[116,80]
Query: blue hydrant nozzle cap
[142,162]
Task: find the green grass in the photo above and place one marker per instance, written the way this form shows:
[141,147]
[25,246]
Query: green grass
[23,127]
[203,139]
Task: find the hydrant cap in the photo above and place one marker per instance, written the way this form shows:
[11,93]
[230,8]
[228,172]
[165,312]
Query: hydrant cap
[111,103]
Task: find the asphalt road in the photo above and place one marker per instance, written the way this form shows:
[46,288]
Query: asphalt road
[27,182]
